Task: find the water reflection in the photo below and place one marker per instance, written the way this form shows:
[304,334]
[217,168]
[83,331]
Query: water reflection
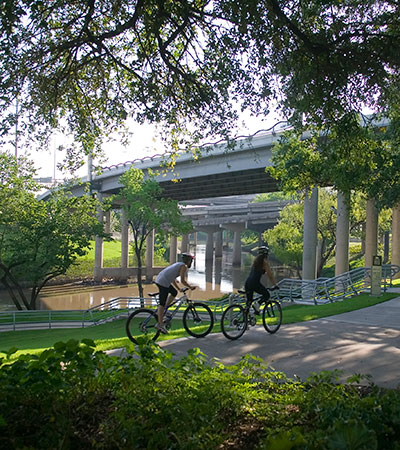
[213,280]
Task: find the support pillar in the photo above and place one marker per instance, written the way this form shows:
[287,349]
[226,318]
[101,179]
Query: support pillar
[98,248]
[371,232]
[342,234]
[237,228]
[210,246]
[209,230]
[185,243]
[396,236]
[218,244]
[310,235]
[173,248]
[149,256]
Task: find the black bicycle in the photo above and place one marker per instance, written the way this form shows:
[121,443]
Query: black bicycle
[197,318]
[237,318]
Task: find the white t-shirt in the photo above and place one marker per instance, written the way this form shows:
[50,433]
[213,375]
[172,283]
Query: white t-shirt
[169,274]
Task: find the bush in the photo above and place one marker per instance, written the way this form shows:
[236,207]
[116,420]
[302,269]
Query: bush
[74,397]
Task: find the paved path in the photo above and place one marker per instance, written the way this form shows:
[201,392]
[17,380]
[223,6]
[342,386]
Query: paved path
[366,341]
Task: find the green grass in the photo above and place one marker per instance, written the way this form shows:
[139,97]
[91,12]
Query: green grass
[112,335]
[303,313]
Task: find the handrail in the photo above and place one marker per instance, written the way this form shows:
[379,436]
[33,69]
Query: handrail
[324,290]
[319,291]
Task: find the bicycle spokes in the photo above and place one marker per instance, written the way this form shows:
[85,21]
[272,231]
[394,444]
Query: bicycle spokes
[198,319]
[234,321]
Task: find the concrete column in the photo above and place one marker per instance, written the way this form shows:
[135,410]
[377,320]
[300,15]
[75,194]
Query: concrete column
[124,242]
[218,244]
[209,230]
[149,256]
[210,246]
[396,235]
[185,243]
[237,249]
[98,249]
[371,232]
[342,234]
[173,248]
[310,235]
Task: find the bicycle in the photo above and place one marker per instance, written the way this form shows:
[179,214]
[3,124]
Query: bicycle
[197,318]
[236,319]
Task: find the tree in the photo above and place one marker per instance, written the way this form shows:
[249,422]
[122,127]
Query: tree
[286,238]
[89,66]
[146,210]
[38,240]
[347,156]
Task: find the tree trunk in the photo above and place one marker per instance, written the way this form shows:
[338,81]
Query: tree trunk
[139,277]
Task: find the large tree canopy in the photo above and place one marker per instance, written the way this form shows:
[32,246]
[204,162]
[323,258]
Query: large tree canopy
[95,63]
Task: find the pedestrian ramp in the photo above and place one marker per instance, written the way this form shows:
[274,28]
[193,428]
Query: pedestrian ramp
[325,290]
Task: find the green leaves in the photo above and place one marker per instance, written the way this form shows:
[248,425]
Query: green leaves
[91,400]
[39,240]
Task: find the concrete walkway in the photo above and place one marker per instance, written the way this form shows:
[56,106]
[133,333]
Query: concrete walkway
[365,341]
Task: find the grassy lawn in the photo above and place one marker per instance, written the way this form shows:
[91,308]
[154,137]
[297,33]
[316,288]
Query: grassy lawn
[112,335]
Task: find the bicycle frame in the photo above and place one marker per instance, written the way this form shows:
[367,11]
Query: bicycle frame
[178,303]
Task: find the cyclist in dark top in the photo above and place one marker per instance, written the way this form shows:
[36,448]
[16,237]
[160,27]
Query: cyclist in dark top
[253,282]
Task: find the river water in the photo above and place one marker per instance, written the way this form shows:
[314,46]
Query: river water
[213,280]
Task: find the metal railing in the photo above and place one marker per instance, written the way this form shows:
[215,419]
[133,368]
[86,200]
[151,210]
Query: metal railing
[325,290]
[319,291]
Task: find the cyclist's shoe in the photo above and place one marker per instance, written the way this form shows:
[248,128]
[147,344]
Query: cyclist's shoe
[161,328]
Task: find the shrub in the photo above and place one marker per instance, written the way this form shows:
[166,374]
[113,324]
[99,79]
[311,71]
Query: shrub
[74,397]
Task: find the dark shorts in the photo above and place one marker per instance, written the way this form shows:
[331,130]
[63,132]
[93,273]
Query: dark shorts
[163,293]
[250,288]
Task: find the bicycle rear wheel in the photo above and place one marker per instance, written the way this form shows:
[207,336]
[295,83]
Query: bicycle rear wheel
[272,316]
[198,319]
[234,322]
[142,322]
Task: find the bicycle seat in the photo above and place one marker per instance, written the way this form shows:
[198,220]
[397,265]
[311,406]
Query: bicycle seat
[153,294]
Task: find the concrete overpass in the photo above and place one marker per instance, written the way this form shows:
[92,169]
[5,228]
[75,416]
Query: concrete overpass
[256,216]
[221,171]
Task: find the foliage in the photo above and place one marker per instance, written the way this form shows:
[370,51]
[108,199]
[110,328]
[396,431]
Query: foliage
[86,399]
[286,238]
[272,197]
[38,240]
[91,66]
[349,155]
[147,211]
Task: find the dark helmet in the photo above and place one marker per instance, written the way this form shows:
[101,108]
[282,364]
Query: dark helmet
[263,250]
[186,257]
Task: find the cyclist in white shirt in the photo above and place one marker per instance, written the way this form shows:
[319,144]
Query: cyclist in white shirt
[168,286]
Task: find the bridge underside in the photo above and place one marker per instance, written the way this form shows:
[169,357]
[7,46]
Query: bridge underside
[244,182]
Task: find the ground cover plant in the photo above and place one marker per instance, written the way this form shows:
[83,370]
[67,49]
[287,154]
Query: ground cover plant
[72,396]
[112,335]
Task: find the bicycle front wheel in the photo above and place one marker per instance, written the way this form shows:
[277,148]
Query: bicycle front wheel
[142,322]
[272,316]
[198,319]
[234,322]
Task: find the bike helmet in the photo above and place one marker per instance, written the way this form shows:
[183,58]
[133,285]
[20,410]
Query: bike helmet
[264,250]
[187,257]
